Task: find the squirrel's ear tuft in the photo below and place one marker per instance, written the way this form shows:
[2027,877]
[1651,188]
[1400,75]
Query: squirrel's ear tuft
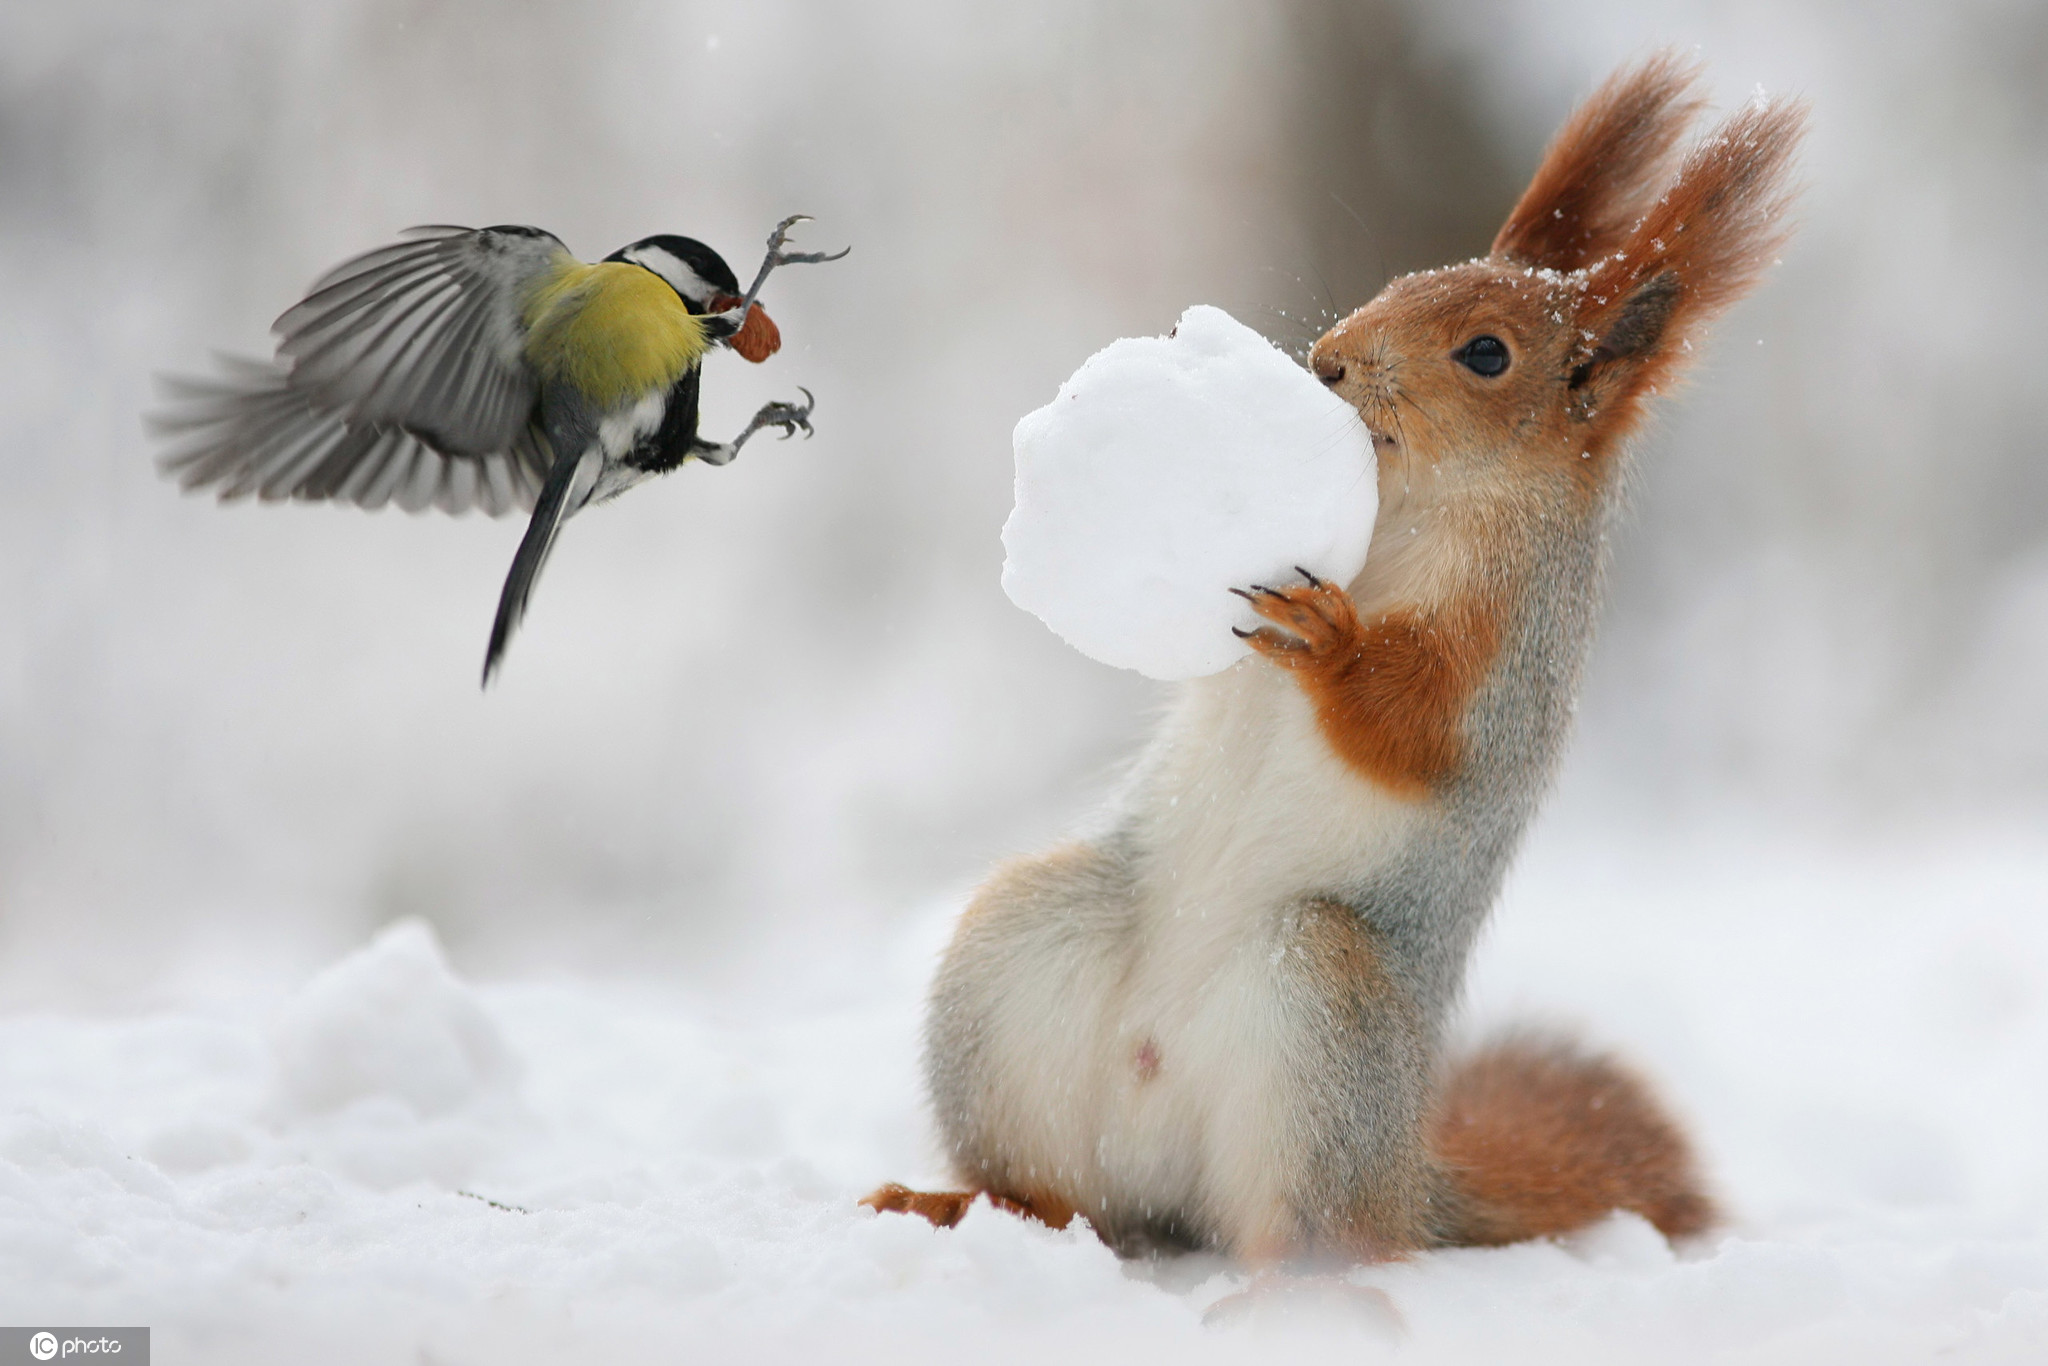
[1723,218]
[1603,166]
[1701,246]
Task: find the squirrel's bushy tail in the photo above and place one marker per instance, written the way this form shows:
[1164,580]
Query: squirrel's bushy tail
[1539,1137]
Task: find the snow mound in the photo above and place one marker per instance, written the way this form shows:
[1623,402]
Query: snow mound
[391,1022]
[683,1163]
[1170,470]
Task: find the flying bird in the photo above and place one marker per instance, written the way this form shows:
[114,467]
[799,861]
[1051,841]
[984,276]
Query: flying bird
[486,368]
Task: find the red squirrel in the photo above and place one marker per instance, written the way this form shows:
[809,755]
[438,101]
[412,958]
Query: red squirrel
[1220,1022]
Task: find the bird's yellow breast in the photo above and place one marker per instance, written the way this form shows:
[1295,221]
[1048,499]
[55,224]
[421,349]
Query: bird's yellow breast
[615,331]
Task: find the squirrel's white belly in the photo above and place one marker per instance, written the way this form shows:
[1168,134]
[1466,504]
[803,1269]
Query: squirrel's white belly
[1240,815]
[1242,804]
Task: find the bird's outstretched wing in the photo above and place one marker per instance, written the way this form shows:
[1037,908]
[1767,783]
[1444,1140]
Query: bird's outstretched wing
[251,434]
[400,377]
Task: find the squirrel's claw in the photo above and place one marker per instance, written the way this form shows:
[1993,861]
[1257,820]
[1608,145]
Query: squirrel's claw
[1308,619]
[1273,642]
[943,1208]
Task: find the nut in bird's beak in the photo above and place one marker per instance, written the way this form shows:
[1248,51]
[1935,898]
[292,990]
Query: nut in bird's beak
[758,338]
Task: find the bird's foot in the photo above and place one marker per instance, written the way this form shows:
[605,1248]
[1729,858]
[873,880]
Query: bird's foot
[778,257]
[790,417]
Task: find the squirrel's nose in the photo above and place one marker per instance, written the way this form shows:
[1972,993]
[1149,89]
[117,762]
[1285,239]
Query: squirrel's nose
[1327,367]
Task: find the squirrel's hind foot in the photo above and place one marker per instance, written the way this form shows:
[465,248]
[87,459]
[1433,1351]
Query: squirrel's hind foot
[943,1208]
[947,1208]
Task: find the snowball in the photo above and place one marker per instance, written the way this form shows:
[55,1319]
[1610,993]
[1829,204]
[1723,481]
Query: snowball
[1170,470]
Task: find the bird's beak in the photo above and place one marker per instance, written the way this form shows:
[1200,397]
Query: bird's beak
[759,338]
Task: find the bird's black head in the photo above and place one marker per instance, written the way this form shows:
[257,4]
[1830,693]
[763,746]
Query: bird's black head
[696,272]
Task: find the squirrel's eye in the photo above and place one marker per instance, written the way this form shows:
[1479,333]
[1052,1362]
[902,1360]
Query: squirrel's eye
[1486,356]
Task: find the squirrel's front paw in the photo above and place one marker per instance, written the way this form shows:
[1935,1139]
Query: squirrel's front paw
[1310,620]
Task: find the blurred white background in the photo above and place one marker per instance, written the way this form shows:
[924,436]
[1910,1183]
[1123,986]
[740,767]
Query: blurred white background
[760,715]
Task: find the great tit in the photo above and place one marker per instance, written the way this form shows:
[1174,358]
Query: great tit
[483,367]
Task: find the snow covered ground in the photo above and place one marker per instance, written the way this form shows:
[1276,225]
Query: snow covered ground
[233,742]
[1859,1036]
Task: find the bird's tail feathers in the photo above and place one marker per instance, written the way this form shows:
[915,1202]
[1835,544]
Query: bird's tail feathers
[568,486]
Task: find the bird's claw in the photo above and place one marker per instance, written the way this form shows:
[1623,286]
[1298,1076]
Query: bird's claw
[780,257]
[790,417]
[809,258]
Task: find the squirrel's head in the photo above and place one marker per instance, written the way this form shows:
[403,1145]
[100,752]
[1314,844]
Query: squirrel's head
[1541,353]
